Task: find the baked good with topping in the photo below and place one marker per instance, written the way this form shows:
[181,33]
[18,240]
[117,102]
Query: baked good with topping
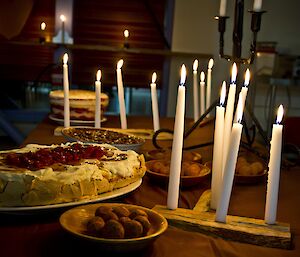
[42,175]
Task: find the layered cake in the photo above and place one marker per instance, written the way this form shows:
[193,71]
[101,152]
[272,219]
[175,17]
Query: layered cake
[82,104]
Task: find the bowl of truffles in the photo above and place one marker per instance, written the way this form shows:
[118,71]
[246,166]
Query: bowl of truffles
[114,226]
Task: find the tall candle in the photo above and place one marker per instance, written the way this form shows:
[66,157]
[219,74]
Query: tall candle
[98,100]
[244,92]
[229,113]
[63,19]
[121,95]
[208,87]
[218,150]
[227,181]
[274,170]
[155,112]
[66,91]
[223,8]
[195,91]
[257,5]
[202,93]
[176,155]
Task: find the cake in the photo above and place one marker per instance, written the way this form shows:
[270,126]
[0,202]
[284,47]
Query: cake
[82,104]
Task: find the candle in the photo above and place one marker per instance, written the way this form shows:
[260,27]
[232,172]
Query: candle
[43,27]
[155,112]
[195,91]
[63,19]
[244,92]
[223,8]
[126,35]
[98,100]
[121,95]
[257,5]
[218,150]
[176,155]
[202,93]
[227,181]
[229,113]
[274,170]
[208,88]
[66,91]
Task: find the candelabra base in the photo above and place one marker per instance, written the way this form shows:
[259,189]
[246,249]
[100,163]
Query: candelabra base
[242,229]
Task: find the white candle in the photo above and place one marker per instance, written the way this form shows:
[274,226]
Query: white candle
[218,150]
[176,155]
[244,92]
[208,87]
[195,91]
[121,95]
[202,93]
[227,181]
[98,100]
[66,91]
[257,5]
[63,19]
[229,113]
[274,170]
[223,8]
[155,112]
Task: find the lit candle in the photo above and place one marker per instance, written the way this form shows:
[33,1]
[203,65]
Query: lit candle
[244,92]
[227,181]
[208,87]
[195,91]
[66,91]
[229,113]
[274,170]
[63,19]
[218,150]
[126,35]
[98,100]
[155,112]
[176,155]
[202,93]
[257,5]
[223,8]
[43,27]
[121,95]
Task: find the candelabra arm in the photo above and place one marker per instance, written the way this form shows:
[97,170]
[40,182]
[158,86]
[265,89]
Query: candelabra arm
[222,29]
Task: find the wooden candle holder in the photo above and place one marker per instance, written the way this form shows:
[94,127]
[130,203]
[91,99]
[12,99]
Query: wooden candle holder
[242,229]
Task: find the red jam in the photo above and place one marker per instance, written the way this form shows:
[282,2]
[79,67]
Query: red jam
[45,157]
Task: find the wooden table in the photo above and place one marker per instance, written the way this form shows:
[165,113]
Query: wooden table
[41,234]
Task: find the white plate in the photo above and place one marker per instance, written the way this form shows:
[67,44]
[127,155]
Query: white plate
[75,122]
[102,197]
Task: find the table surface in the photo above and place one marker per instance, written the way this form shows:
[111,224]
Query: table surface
[41,234]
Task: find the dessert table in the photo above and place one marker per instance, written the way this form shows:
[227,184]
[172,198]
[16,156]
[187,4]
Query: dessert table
[40,234]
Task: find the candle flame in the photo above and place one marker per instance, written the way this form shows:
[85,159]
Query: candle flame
[126,33]
[98,75]
[279,114]
[62,18]
[183,74]
[65,59]
[247,78]
[223,93]
[154,76]
[211,63]
[239,108]
[233,73]
[43,26]
[120,64]
[195,65]
[202,76]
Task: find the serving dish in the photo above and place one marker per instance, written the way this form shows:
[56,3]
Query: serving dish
[74,221]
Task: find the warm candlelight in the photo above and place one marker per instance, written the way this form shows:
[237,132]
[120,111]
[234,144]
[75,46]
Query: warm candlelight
[121,95]
[66,91]
[229,113]
[43,26]
[98,100]
[257,5]
[155,112]
[274,170]
[223,8]
[218,150]
[195,90]
[63,19]
[176,155]
[208,83]
[126,35]
[202,93]
[230,164]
